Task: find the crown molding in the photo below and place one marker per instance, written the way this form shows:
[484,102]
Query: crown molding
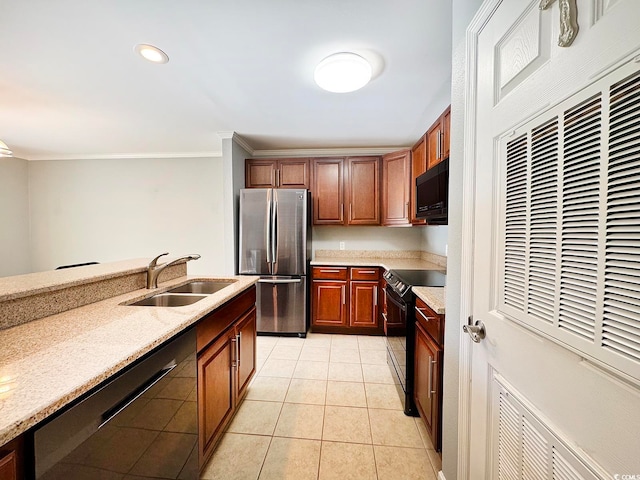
[240,140]
[324,152]
[122,156]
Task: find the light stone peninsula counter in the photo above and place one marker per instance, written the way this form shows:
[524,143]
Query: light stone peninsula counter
[432,296]
[47,363]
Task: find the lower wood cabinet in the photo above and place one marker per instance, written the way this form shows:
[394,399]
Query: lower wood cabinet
[226,362]
[346,300]
[12,459]
[428,370]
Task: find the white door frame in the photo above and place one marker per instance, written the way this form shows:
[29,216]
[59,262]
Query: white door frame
[474,29]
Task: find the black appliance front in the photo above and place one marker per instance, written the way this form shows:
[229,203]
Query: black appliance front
[432,193]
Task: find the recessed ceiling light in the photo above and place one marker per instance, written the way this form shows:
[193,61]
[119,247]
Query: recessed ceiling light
[343,72]
[151,53]
[4,150]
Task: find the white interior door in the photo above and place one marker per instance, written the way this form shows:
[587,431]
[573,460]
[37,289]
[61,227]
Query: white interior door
[556,249]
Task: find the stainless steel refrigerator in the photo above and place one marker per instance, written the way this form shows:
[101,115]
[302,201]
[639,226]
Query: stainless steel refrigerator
[275,244]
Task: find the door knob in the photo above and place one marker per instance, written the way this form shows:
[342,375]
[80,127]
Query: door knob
[475,330]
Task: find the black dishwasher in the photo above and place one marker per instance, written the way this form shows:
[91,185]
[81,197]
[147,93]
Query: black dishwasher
[141,423]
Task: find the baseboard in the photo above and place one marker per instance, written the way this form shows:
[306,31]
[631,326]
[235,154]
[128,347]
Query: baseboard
[441,475]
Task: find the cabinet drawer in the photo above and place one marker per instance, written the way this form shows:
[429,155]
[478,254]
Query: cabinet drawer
[330,273]
[430,321]
[365,273]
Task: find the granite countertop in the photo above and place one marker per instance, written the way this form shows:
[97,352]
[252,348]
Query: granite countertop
[432,296]
[387,263]
[47,363]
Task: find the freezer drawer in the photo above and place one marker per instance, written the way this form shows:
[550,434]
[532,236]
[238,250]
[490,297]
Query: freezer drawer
[282,305]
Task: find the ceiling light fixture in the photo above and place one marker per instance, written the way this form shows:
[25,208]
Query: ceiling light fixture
[343,72]
[4,150]
[151,53]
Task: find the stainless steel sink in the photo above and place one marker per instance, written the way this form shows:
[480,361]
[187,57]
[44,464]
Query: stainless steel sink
[202,286]
[168,300]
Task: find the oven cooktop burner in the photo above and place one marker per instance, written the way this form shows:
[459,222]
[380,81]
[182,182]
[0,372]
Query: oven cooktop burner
[402,280]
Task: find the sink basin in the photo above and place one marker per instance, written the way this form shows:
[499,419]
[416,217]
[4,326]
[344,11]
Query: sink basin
[202,287]
[168,300]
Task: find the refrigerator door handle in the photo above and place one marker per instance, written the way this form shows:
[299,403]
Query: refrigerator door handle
[274,229]
[290,280]
[269,225]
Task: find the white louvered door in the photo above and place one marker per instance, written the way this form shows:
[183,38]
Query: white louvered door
[555,390]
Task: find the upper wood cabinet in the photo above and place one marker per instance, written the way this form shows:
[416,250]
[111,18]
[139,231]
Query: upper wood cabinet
[396,188]
[277,173]
[438,139]
[328,191]
[418,167]
[346,191]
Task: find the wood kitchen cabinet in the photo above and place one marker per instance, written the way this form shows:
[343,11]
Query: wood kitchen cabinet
[346,191]
[277,173]
[418,167]
[438,139]
[428,369]
[396,188]
[346,300]
[226,361]
[12,459]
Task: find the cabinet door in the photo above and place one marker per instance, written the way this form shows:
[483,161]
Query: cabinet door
[418,167]
[8,465]
[428,358]
[434,144]
[328,191]
[329,303]
[446,132]
[216,392]
[363,190]
[260,173]
[363,301]
[246,344]
[292,173]
[396,188]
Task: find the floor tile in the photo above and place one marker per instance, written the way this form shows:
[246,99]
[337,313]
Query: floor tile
[383,396]
[422,429]
[346,461]
[436,461]
[266,341]
[306,391]
[291,459]
[378,374]
[299,420]
[286,352]
[315,354]
[270,389]
[318,340]
[346,394]
[346,424]
[275,367]
[394,428]
[238,457]
[293,341]
[372,343]
[395,463]
[373,357]
[345,372]
[166,456]
[344,355]
[258,418]
[344,341]
[311,370]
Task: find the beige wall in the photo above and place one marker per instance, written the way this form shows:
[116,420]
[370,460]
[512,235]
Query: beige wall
[365,238]
[14,217]
[107,210]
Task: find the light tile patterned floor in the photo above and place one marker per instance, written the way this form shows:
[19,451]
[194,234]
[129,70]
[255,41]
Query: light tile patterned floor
[325,407]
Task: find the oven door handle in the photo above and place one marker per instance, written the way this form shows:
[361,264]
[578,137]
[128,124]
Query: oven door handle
[394,301]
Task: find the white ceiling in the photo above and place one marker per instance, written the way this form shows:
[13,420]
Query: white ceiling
[71,85]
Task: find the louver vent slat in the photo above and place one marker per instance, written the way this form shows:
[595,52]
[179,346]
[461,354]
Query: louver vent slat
[535,451]
[509,441]
[580,213]
[621,322]
[515,223]
[562,470]
[543,220]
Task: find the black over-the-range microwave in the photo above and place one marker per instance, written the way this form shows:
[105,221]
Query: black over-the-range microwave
[432,192]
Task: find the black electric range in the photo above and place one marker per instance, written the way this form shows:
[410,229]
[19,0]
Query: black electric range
[399,325]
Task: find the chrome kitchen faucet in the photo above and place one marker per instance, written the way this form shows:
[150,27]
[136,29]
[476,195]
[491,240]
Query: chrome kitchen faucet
[154,270]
